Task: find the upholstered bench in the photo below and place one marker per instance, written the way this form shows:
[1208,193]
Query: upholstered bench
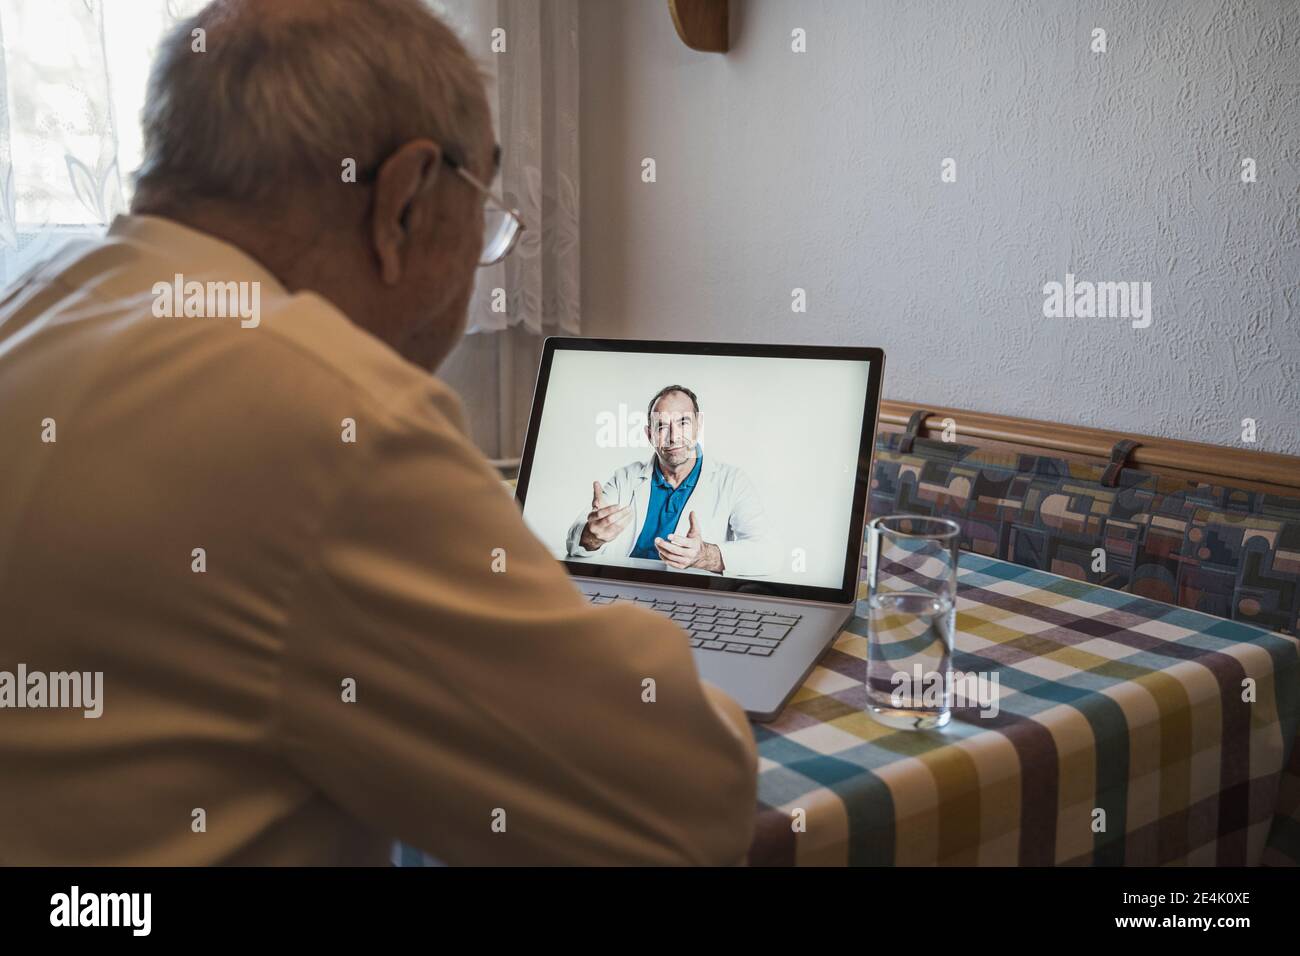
[1225,549]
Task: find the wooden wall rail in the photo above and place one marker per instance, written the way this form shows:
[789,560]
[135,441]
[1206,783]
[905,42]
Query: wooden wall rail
[1215,463]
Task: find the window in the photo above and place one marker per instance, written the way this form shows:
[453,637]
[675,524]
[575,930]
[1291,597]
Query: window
[74,74]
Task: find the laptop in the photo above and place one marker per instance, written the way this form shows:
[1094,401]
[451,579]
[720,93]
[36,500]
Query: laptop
[723,486]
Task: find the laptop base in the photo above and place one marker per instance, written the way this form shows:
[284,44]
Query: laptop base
[760,684]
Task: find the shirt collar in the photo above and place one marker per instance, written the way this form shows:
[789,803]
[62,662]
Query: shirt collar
[199,252]
[687,482]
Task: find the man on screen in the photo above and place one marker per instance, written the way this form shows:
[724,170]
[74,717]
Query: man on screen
[677,507]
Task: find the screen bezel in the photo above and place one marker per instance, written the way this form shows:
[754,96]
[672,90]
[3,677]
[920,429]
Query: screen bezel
[846,593]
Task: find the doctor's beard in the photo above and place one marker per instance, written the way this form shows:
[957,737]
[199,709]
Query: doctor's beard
[677,455]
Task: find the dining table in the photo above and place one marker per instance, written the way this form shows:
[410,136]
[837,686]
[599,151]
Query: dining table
[1120,731]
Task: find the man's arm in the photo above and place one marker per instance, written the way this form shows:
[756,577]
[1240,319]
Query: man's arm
[487,689]
[594,529]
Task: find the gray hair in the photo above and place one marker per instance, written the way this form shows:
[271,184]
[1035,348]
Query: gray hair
[290,91]
[668,390]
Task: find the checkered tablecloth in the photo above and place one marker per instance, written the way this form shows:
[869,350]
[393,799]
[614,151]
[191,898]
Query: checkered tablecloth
[1127,732]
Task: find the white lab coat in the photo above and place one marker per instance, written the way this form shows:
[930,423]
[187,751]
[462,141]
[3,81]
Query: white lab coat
[728,512]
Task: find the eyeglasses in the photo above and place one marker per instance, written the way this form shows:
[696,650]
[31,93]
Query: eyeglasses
[501,223]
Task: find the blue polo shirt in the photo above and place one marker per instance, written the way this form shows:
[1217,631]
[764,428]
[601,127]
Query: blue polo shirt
[665,507]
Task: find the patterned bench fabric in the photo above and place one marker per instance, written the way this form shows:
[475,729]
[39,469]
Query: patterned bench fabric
[1222,550]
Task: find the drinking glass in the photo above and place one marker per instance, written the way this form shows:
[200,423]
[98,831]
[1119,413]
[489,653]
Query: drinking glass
[912,594]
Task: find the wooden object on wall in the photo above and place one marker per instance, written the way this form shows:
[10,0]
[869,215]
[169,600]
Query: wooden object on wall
[1214,464]
[702,24]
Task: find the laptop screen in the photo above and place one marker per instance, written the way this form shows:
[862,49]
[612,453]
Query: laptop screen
[653,462]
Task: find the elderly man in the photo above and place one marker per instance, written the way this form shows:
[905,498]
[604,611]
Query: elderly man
[677,507]
[319,622]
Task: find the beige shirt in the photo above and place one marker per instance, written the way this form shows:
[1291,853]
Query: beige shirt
[498,718]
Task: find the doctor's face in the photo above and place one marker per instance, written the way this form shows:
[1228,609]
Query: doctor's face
[674,425]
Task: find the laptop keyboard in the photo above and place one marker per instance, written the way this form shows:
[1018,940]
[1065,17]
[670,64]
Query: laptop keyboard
[716,627]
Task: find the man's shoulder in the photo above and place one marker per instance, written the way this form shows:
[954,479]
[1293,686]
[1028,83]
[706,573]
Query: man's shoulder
[306,366]
[725,471]
[300,352]
[637,468]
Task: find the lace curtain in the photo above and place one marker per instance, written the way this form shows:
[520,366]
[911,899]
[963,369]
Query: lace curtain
[72,74]
[533,86]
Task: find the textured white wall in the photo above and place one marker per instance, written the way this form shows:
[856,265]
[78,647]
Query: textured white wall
[821,170]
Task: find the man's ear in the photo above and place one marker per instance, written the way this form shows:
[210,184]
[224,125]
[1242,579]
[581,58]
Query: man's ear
[402,178]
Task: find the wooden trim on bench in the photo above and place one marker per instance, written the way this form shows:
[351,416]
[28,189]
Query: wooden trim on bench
[1214,464]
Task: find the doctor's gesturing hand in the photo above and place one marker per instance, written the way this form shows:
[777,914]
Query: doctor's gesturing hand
[604,522]
[689,550]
